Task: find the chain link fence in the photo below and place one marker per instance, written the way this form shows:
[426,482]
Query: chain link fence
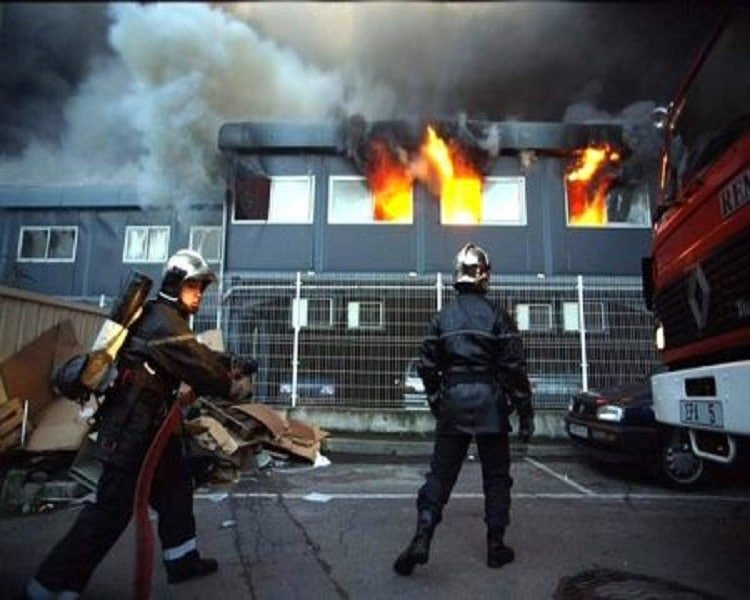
[349,340]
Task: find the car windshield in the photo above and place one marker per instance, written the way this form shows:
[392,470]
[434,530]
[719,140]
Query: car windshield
[715,112]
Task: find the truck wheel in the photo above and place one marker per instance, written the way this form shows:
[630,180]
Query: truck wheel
[679,465]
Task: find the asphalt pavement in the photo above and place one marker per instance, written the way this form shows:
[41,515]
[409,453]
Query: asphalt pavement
[579,531]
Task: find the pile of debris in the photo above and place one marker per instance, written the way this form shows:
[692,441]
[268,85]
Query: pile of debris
[38,427]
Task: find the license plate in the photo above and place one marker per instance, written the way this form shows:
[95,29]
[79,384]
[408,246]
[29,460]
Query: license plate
[701,412]
[578,430]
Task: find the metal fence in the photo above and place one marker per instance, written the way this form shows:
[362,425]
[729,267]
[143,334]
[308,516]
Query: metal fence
[348,340]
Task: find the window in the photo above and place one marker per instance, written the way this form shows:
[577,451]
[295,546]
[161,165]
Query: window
[145,243]
[352,202]
[365,315]
[534,317]
[206,241]
[282,199]
[47,244]
[502,202]
[620,206]
[593,314]
[315,313]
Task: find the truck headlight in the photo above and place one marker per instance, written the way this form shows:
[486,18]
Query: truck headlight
[660,339]
[609,412]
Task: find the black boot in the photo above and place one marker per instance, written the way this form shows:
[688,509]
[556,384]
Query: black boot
[189,566]
[418,550]
[498,554]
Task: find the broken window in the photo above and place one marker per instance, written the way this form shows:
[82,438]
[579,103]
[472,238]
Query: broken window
[278,199]
[494,201]
[47,244]
[146,243]
[206,241]
[352,202]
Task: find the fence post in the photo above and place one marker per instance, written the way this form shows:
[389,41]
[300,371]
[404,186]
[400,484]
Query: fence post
[439,290]
[582,334]
[295,346]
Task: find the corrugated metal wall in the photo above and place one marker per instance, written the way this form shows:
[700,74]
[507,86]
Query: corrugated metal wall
[26,315]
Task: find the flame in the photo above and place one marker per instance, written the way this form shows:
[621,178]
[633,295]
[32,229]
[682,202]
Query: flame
[587,184]
[453,178]
[441,166]
[391,185]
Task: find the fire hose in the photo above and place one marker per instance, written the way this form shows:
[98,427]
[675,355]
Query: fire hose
[144,535]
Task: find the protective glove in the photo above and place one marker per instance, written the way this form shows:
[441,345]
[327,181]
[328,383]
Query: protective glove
[433,401]
[242,388]
[244,366]
[525,427]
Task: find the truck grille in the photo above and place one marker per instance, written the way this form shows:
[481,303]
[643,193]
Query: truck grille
[724,271]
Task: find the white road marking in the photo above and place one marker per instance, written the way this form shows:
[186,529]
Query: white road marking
[609,497]
[563,478]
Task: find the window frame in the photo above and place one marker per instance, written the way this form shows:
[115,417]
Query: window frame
[332,179]
[616,224]
[46,258]
[550,318]
[586,303]
[309,179]
[359,327]
[219,229]
[523,222]
[297,302]
[151,261]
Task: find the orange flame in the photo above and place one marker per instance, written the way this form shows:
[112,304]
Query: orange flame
[587,184]
[450,175]
[391,185]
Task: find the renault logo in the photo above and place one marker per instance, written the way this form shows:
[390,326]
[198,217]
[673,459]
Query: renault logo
[699,295]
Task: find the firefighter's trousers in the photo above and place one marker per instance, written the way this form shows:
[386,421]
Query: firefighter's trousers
[447,458]
[72,561]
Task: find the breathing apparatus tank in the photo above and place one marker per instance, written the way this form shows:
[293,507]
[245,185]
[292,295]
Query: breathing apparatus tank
[100,371]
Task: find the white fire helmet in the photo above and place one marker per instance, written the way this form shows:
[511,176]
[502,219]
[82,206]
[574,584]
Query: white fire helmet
[472,268]
[183,265]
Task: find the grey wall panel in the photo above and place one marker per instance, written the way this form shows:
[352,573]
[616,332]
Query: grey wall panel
[367,248]
[605,252]
[269,247]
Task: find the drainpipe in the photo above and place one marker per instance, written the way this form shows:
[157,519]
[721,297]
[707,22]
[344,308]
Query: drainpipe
[295,347]
[582,334]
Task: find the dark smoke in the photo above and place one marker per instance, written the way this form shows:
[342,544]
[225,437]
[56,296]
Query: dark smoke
[137,91]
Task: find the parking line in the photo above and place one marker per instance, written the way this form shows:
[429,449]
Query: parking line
[586,496]
[563,478]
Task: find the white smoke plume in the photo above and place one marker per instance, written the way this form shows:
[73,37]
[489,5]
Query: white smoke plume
[151,112]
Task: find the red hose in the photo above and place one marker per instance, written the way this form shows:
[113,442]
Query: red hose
[144,535]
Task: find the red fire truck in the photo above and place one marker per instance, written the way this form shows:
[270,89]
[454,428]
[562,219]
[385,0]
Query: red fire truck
[697,280]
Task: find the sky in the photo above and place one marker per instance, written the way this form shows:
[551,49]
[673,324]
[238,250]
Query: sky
[136,92]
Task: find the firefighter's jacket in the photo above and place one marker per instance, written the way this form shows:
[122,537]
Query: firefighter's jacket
[160,352]
[472,365]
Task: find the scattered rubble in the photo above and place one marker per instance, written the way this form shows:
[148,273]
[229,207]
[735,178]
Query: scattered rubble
[46,440]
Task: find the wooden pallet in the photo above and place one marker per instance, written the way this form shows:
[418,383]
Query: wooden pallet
[11,421]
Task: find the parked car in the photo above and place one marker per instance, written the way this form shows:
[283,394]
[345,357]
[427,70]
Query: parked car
[310,386]
[617,424]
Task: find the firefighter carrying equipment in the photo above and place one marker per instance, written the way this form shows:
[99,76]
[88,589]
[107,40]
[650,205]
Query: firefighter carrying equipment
[95,371]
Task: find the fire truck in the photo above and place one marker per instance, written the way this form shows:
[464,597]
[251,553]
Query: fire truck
[697,279]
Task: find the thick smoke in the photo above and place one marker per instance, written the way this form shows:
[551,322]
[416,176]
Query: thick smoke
[137,92]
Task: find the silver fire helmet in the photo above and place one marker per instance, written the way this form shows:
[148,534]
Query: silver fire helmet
[472,268]
[184,265]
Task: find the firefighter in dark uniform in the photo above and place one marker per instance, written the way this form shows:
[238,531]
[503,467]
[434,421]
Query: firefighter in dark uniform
[473,368]
[160,352]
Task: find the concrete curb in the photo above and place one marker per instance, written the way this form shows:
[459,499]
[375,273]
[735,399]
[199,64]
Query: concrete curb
[413,448]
